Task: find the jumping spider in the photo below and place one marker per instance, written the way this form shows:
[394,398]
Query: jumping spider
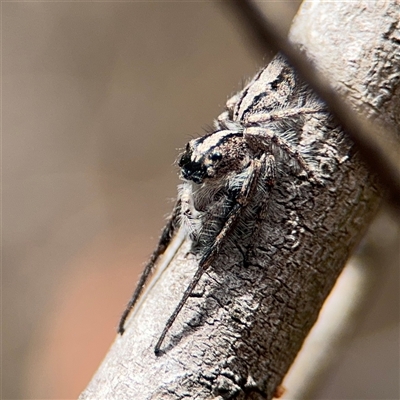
[221,173]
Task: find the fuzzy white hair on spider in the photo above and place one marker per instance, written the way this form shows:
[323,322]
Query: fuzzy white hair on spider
[214,168]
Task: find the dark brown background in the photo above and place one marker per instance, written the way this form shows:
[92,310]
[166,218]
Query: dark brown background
[97,98]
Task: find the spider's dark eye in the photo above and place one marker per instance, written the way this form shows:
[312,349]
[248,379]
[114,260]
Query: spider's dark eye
[185,159]
[215,156]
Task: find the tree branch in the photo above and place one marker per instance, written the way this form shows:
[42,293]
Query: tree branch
[239,334]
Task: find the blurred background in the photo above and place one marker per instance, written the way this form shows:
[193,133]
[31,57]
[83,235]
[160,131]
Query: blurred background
[97,100]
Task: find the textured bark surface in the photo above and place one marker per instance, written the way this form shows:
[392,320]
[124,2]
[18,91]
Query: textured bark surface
[356,47]
[238,335]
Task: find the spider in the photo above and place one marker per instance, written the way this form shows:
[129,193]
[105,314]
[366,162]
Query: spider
[221,172]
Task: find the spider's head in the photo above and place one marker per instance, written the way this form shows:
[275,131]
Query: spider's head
[213,156]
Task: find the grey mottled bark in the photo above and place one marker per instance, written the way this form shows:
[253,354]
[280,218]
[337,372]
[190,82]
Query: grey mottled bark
[239,334]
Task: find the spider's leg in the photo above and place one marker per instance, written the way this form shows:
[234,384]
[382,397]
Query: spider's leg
[276,115]
[262,139]
[241,201]
[267,178]
[166,236]
[189,216]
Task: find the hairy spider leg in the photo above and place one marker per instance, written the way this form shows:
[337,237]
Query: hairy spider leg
[165,239]
[242,199]
[188,214]
[275,115]
[263,140]
[268,174]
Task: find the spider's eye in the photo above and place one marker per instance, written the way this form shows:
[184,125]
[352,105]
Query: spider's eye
[215,156]
[185,159]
